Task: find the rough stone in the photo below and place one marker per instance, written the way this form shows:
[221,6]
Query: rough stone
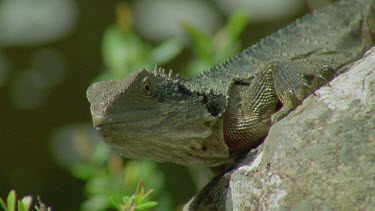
[320,157]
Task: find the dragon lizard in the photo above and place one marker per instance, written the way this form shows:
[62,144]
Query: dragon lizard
[211,118]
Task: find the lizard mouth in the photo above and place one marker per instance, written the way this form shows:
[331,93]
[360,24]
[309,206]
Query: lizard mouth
[122,132]
[110,130]
[99,121]
[105,123]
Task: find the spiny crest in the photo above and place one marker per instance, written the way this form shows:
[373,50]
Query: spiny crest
[159,71]
[178,77]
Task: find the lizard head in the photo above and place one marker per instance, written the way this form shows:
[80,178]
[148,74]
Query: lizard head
[152,115]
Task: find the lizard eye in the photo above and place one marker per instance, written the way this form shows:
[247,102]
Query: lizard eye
[146,88]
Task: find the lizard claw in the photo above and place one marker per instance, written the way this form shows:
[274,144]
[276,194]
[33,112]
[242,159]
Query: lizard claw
[323,79]
[308,87]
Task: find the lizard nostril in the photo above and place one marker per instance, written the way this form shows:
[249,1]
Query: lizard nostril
[204,148]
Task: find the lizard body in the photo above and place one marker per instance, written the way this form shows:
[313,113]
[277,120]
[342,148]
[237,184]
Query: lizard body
[228,109]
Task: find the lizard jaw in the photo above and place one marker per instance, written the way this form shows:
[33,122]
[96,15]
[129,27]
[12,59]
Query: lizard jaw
[107,126]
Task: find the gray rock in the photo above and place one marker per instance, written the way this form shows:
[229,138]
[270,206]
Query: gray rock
[320,157]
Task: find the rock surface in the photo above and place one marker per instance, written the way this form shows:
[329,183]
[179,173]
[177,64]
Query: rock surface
[320,157]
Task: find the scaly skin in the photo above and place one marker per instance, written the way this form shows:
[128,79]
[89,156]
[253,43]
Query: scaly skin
[230,108]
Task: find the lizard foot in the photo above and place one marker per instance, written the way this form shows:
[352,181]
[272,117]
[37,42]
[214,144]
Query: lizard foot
[293,85]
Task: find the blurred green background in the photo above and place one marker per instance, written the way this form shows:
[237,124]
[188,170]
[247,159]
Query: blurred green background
[50,52]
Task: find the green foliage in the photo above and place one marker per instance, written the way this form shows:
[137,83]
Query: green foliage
[211,51]
[124,52]
[136,201]
[24,204]
[104,186]
[110,181]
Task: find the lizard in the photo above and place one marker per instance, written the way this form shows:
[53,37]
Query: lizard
[227,110]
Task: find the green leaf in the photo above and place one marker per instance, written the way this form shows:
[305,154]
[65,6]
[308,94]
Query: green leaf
[116,202]
[138,199]
[98,185]
[20,206]
[101,153]
[146,205]
[148,193]
[96,203]
[125,199]
[226,41]
[196,67]
[3,204]
[82,171]
[122,52]
[11,200]
[41,206]
[225,52]
[236,24]
[201,43]
[166,51]
[129,201]
[140,188]
[27,202]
